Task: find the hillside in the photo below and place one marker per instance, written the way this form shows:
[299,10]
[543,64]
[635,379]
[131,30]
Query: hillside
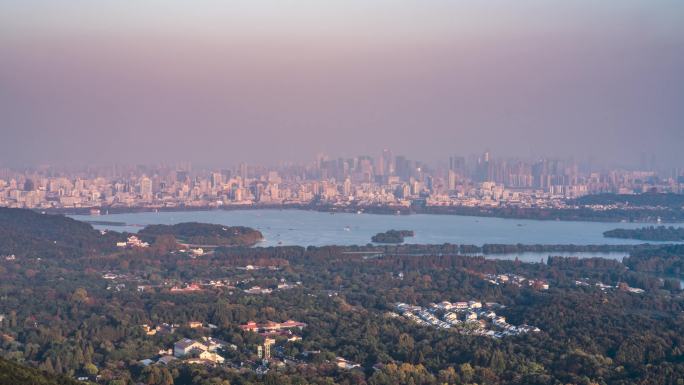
[14,374]
[28,233]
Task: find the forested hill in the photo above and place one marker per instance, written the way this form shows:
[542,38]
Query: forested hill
[205,234]
[28,233]
[650,233]
[15,374]
[667,260]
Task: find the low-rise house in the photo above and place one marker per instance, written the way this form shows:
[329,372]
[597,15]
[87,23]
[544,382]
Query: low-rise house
[149,331]
[286,286]
[165,360]
[166,328]
[427,316]
[344,364]
[451,317]
[187,346]
[478,321]
[271,326]
[258,290]
[212,357]
[133,242]
[161,329]
[213,344]
[250,326]
[187,289]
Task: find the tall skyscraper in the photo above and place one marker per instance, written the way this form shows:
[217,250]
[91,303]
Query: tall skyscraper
[242,171]
[403,167]
[452,180]
[216,180]
[146,188]
[485,168]
[457,164]
[387,162]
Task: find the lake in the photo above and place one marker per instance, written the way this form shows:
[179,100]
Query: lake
[313,228]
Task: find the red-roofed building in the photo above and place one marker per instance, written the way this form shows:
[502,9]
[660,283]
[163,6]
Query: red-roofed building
[250,326]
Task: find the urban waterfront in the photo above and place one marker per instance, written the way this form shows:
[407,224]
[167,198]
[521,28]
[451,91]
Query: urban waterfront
[313,228]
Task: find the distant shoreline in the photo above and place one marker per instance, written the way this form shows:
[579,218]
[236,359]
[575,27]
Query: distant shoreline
[106,223]
[569,215]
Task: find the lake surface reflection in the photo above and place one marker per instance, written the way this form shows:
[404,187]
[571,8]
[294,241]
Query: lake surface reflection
[313,228]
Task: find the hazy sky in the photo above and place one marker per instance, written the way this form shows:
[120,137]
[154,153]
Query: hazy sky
[216,81]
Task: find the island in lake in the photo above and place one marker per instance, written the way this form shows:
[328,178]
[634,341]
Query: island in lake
[649,233]
[205,234]
[392,236]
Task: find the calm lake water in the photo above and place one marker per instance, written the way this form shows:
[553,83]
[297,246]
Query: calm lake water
[312,228]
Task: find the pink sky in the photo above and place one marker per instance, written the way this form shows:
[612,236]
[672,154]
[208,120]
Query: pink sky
[268,81]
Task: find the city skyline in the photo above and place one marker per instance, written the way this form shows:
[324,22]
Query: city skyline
[647,162]
[386,182]
[265,81]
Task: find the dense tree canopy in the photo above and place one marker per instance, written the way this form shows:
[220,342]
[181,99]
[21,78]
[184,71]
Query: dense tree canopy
[62,316]
[205,234]
[650,233]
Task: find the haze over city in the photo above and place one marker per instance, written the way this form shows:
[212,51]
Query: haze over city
[352,192]
[273,81]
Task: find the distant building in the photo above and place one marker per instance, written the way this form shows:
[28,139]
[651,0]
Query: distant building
[165,360]
[268,342]
[272,326]
[146,188]
[344,364]
[187,289]
[186,346]
[133,242]
[212,357]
